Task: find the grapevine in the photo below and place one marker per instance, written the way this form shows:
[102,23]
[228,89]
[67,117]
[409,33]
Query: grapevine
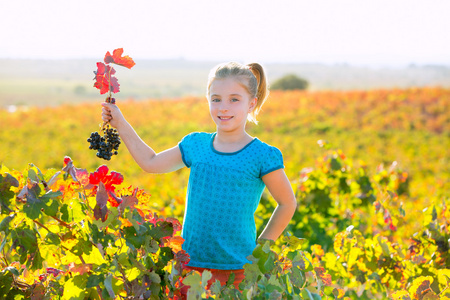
[108,142]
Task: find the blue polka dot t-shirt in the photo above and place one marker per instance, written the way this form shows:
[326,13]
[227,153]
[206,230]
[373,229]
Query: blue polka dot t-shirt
[223,193]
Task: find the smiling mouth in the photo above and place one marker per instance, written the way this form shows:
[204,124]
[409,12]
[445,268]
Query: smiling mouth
[225,118]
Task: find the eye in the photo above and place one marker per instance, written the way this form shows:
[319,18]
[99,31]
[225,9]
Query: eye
[215,100]
[234,100]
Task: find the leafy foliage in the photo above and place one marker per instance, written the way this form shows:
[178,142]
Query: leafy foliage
[384,234]
[79,235]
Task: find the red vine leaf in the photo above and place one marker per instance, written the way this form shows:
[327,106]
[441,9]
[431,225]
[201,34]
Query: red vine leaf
[100,176]
[55,272]
[175,243]
[128,201]
[118,59]
[182,257]
[326,278]
[81,269]
[176,224]
[104,79]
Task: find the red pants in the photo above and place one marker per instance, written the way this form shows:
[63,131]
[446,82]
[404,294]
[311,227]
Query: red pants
[221,275]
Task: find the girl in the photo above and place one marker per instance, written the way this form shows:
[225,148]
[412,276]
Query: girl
[229,170]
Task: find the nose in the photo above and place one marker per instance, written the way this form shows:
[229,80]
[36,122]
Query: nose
[223,107]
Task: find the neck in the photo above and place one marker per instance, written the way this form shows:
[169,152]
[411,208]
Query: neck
[232,137]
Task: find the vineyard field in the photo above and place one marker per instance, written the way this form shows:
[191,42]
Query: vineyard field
[370,169]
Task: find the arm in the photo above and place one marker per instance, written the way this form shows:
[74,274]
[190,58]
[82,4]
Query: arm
[280,188]
[149,161]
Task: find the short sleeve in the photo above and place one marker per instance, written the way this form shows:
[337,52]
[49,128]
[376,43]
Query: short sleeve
[185,146]
[272,161]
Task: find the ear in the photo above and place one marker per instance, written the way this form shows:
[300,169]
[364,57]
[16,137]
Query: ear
[252,104]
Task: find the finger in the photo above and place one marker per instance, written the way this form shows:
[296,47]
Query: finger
[109,106]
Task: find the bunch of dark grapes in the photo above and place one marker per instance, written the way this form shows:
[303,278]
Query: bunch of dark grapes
[108,144]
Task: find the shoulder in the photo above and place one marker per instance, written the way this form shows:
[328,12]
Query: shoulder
[196,136]
[266,148]
[270,158]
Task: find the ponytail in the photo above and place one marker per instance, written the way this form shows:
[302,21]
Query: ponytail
[251,76]
[262,91]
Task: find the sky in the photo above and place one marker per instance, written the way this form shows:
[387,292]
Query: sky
[357,32]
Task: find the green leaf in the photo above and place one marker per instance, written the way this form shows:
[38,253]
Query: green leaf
[6,182]
[6,280]
[4,224]
[94,280]
[51,207]
[306,294]
[66,213]
[82,247]
[12,270]
[216,287]
[269,264]
[161,229]
[384,246]
[2,245]
[294,242]
[36,259]
[34,204]
[297,278]
[134,238]
[32,175]
[134,218]
[252,271]
[273,284]
[299,261]
[52,239]
[109,286]
[230,280]
[165,255]
[335,165]
[26,237]
[434,214]
[194,281]
[401,211]
[133,273]
[75,288]
[99,236]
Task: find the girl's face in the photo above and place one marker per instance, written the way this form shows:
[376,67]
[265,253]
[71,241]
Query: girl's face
[229,104]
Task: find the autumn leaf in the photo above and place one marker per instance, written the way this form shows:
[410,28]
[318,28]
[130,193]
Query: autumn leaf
[421,286]
[104,79]
[321,273]
[81,269]
[101,176]
[317,250]
[176,224]
[100,209]
[338,293]
[79,175]
[175,243]
[128,201]
[118,59]
[55,272]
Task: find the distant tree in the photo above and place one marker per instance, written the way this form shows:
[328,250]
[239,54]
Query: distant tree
[290,82]
[79,90]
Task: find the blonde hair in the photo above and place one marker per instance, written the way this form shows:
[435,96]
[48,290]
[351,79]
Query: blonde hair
[252,78]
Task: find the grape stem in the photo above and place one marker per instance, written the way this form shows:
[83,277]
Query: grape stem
[108,98]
